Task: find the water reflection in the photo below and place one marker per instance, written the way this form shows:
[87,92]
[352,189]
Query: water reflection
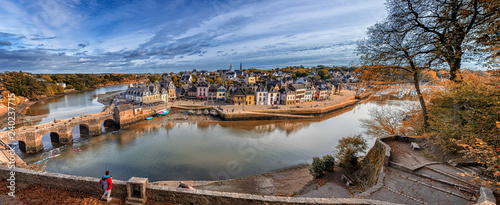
[70,105]
[209,150]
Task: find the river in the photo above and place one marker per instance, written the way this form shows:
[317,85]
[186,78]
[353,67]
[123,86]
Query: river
[206,151]
[70,105]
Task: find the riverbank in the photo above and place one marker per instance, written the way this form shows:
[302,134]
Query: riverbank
[22,108]
[306,110]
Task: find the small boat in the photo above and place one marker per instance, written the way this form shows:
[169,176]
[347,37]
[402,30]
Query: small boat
[163,112]
[149,118]
[206,112]
[213,112]
[198,113]
[190,112]
[77,150]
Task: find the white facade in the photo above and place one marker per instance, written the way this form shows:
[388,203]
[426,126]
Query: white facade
[273,98]
[260,98]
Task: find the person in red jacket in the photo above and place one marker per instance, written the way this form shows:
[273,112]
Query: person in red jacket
[106,185]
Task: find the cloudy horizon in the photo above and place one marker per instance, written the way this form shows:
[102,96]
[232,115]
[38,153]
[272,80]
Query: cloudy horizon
[59,36]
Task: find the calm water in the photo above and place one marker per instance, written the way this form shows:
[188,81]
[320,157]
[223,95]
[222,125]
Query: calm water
[69,106]
[207,151]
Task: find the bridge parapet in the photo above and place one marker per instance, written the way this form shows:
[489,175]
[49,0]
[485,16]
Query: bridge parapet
[60,131]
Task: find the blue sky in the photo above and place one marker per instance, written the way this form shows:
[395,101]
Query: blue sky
[73,36]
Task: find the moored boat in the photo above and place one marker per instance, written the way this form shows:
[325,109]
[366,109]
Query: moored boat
[206,112]
[213,112]
[190,112]
[163,112]
[198,112]
[149,118]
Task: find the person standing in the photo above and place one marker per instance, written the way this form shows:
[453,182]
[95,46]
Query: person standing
[106,185]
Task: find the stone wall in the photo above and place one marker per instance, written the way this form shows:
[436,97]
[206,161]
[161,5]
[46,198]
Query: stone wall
[371,173]
[165,194]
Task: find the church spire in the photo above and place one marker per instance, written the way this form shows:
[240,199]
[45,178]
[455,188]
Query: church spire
[241,65]
[230,67]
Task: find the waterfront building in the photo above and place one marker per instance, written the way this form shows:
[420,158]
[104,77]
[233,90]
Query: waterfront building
[192,92]
[287,96]
[249,96]
[212,92]
[151,93]
[261,95]
[171,91]
[202,90]
[221,93]
[308,95]
[322,93]
[229,92]
[299,90]
[238,96]
[273,96]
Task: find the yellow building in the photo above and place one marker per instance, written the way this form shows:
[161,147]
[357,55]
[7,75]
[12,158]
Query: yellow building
[238,97]
[250,79]
[250,99]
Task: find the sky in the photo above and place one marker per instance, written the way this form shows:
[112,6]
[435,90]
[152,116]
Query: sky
[140,36]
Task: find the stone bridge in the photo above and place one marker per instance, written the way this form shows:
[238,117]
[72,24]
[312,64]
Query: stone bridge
[30,137]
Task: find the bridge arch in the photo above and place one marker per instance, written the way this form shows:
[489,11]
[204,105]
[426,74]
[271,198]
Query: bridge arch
[50,140]
[79,131]
[18,145]
[109,125]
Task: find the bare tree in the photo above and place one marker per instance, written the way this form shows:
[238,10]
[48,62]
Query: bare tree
[401,48]
[454,25]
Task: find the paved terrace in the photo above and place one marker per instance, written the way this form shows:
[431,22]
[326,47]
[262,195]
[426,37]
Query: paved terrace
[411,178]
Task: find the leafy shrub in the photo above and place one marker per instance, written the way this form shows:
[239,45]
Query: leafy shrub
[318,167]
[329,162]
[348,148]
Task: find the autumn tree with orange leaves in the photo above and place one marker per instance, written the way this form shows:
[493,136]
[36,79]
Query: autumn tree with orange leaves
[465,118]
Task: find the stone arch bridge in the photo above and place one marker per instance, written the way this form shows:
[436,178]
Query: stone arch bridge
[30,137]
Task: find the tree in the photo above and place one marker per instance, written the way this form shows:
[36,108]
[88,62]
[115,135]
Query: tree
[22,84]
[323,73]
[489,37]
[175,79]
[348,148]
[317,168]
[395,45]
[453,25]
[329,163]
[218,80]
[46,78]
[465,119]
[429,76]
[392,120]
[154,78]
